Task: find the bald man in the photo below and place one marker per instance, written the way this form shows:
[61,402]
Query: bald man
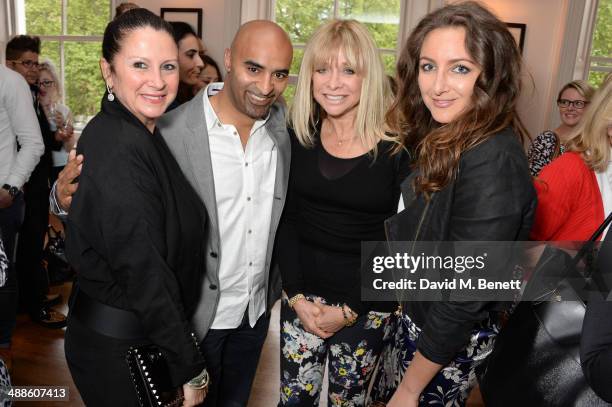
[232,144]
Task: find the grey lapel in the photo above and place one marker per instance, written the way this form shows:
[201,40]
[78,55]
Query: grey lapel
[198,150]
[185,131]
[277,129]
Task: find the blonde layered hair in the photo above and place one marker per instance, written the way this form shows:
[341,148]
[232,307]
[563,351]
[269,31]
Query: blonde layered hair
[47,65]
[590,137]
[354,40]
[582,87]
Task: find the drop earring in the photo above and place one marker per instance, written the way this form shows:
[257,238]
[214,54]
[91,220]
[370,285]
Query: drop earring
[110,96]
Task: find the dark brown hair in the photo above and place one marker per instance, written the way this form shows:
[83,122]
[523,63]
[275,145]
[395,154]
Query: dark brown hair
[123,7]
[125,23]
[497,88]
[21,44]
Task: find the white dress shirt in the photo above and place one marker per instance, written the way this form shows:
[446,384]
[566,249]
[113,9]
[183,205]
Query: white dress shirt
[18,124]
[244,181]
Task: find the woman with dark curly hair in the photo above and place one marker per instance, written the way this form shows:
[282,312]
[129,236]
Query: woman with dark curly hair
[459,82]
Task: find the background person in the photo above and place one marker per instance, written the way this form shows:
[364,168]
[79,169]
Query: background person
[456,102]
[210,74]
[575,190]
[136,226]
[572,101]
[190,62]
[22,56]
[58,115]
[344,183]
[21,146]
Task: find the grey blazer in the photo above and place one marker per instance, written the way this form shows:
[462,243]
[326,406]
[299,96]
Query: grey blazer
[184,130]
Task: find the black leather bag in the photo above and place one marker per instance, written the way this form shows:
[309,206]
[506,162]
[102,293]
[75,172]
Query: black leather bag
[58,268]
[536,359]
[151,377]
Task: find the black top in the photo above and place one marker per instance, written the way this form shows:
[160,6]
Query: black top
[136,233]
[491,199]
[596,340]
[40,175]
[334,204]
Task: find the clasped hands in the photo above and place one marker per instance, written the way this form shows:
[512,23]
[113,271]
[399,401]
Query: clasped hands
[319,319]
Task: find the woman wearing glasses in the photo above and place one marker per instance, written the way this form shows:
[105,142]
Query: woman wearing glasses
[572,100]
[575,190]
[58,115]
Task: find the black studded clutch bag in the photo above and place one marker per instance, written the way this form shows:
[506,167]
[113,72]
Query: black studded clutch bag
[151,377]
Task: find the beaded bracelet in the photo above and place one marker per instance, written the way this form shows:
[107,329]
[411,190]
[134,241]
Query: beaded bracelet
[295,299]
[347,321]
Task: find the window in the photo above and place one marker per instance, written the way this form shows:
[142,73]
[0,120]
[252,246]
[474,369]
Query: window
[600,63]
[300,18]
[71,36]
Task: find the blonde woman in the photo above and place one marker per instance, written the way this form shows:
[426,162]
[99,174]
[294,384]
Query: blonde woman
[59,116]
[572,101]
[575,190]
[344,182]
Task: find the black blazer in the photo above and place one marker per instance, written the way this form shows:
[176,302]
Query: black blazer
[136,233]
[491,199]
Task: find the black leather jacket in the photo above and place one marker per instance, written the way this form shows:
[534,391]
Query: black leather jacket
[492,199]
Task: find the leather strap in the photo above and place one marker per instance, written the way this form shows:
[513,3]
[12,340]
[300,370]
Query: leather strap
[106,320]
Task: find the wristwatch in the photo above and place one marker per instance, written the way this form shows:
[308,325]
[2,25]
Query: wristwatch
[200,381]
[13,191]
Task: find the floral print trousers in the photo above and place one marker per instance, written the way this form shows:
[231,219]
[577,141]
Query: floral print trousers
[452,385]
[352,354]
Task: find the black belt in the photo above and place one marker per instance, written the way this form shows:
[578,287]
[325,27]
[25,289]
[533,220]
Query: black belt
[104,319]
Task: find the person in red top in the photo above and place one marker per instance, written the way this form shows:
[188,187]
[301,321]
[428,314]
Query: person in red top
[575,190]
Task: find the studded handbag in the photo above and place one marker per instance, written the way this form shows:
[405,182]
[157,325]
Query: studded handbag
[151,377]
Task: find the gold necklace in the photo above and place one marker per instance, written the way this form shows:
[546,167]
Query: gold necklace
[340,141]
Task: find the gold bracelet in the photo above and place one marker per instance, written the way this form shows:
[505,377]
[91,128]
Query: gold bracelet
[295,299]
[347,321]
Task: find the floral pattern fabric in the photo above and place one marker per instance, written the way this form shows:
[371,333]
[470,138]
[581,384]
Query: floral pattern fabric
[452,385]
[3,264]
[5,385]
[351,354]
[542,151]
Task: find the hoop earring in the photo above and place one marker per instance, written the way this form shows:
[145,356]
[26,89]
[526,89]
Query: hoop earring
[110,96]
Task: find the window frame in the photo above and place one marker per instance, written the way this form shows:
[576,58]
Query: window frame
[61,39]
[595,63]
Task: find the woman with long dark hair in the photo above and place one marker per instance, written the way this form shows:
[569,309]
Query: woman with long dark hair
[459,82]
[190,62]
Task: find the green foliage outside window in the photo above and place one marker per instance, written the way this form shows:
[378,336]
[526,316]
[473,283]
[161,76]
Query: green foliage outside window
[602,39]
[83,83]
[300,18]
[44,17]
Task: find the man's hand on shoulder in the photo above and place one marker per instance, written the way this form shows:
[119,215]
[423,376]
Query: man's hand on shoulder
[66,187]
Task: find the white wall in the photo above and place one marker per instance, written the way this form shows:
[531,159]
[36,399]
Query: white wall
[545,20]
[3,29]
[221,20]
